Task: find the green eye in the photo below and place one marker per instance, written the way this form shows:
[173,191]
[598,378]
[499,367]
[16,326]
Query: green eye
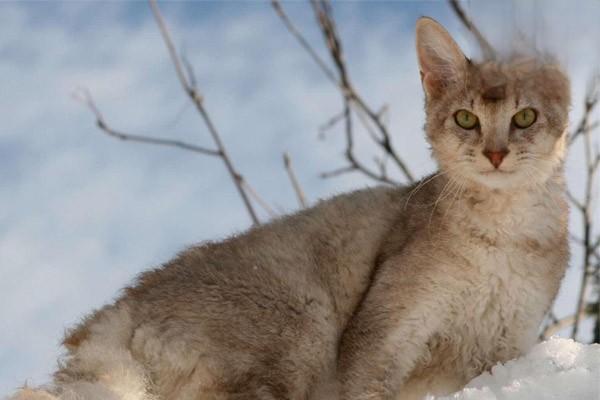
[524,118]
[466,119]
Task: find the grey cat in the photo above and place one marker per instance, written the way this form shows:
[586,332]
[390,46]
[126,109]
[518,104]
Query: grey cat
[385,293]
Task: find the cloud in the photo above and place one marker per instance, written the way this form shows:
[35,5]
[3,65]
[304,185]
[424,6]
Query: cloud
[83,213]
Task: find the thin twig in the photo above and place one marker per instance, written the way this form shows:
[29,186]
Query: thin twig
[558,325]
[162,26]
[196,98]
[85,97]
[486,48]
[576,239]
[287,162]
[325,21]
[592,161]
[575,202]
[322,10]
[330,123]
[381,163]
[303,42]
[254,194]
[354,162]
[596,244]
[591,101]
[337,172]
[191,75]
[363,118]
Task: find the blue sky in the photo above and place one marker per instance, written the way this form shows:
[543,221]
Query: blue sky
[82,213]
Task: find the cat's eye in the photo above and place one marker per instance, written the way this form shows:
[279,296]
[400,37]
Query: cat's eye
[524,118]
[466,119]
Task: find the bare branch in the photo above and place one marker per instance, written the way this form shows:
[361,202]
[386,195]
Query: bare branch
[586,207]
[191,75]
[303,42]
[386,142]
[330,123]
[162,26]
[287,162]
[576,239]
[591,101]
[363,118]
[574,200]
[339,171]
[559,324]
[384,114]
[381,164]
[85,97]
[597,255]
[354,162]
[596,244]
[252,192]
[486,48]
[352,100]
[196,98]
[322,9]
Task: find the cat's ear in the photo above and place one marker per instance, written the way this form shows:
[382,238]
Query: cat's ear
[441,62]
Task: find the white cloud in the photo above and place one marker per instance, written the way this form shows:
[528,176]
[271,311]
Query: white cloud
[82,213]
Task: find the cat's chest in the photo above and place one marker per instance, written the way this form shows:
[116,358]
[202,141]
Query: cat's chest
[512,244]
[499,314]
[510,262]
[494,318]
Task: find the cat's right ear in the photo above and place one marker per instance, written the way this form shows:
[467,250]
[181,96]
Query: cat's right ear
[441,62]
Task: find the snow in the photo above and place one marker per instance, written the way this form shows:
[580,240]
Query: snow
[558,369]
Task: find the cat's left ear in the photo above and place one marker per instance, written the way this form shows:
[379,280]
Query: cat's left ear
[441,61]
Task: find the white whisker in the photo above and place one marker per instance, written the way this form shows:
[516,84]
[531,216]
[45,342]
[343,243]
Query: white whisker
[426,181]
[443,194]
[458,194]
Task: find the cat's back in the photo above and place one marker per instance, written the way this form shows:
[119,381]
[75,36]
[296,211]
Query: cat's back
[326,251]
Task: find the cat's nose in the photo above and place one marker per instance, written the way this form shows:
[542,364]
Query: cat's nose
[496,156]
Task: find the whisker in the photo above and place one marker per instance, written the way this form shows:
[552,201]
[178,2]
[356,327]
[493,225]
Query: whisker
[426,181]
[421,184]
[457,195]
[450,184]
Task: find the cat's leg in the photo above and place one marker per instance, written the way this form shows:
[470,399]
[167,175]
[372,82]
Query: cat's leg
[303,369]
[388,334]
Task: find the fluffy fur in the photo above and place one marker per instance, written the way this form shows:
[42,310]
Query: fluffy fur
[385,293]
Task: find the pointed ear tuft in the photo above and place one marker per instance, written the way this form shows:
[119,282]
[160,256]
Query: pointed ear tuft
[441,61]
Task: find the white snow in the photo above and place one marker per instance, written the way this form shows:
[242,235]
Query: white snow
[558,369]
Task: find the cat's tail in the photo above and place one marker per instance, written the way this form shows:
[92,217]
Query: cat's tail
[99,364]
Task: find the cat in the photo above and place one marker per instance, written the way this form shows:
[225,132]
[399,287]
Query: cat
[383,293]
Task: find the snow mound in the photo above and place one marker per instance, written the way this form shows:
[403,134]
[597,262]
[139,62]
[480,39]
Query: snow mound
[558,369]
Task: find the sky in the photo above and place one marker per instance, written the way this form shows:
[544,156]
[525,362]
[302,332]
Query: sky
[81,213]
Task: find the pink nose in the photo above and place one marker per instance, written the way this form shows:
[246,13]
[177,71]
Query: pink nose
[495,156]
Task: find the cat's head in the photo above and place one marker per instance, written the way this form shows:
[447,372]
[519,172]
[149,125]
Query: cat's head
[499,125]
